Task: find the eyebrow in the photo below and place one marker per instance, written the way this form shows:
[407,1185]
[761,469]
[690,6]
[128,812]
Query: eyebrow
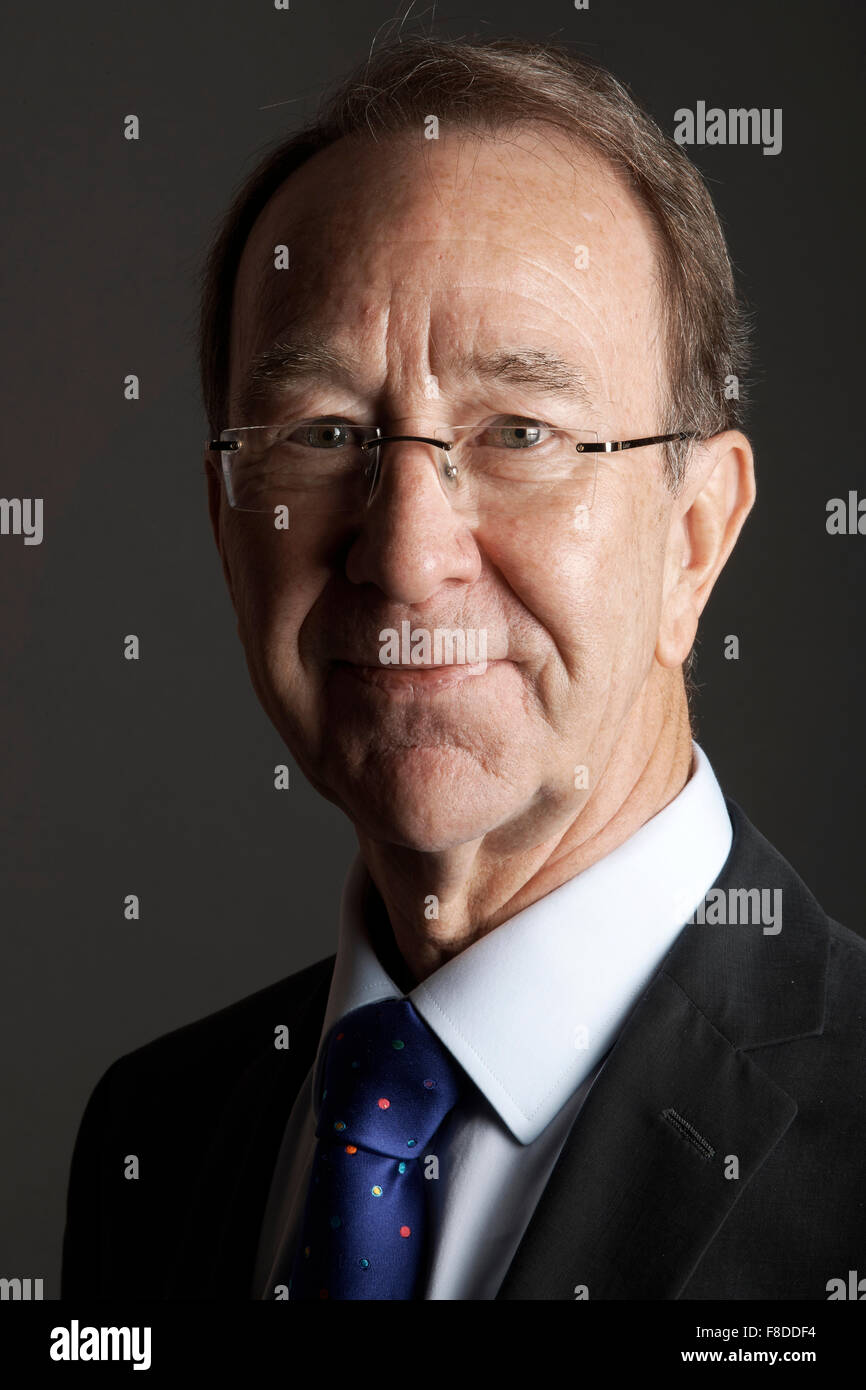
[535,367]
[274,371]
[277,368]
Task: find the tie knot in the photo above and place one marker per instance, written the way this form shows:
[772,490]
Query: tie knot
[388,1081]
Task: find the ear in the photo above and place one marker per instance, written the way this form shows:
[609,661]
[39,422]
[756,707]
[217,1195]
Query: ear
[707,517]
[215,498]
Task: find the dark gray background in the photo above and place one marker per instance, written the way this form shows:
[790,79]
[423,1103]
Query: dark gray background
[155,777]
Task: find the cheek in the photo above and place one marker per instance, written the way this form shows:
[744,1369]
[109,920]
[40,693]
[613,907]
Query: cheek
[595,590]
[276,581]
[632,581]
[560,572]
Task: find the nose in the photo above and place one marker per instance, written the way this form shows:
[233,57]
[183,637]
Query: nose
[411,540]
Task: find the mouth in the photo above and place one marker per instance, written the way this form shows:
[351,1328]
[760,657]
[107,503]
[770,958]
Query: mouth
[423,678]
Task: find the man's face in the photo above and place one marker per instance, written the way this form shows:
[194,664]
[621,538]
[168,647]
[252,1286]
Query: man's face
[414,259]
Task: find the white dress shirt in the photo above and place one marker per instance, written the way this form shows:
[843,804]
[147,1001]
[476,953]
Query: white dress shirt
[530,1011]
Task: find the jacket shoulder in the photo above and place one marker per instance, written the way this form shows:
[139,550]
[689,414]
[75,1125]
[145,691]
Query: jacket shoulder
[165,1103]
[850,943]
[227,1040]
[755,851]
[846,988]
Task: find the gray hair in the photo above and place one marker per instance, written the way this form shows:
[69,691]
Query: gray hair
[493,87]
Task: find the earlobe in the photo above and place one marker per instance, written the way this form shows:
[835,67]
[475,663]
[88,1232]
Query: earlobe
[704,529]
[679,625]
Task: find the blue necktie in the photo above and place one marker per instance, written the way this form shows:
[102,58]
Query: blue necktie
[388,1085]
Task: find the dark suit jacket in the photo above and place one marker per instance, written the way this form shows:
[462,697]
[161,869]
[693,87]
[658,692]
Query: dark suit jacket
[745,1046]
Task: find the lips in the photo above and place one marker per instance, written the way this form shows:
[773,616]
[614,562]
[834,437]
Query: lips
[416,666]
[414,679]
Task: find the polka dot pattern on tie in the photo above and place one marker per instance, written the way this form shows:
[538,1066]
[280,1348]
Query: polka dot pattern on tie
[388,1084]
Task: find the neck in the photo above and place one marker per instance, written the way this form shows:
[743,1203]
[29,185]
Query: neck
[474,888]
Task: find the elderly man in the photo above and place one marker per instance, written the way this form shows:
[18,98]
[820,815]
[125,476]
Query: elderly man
[471,356]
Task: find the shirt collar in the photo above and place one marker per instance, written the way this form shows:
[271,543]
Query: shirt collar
[530,1009]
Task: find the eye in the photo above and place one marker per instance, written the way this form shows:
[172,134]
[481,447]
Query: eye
[323,434]
[516,434]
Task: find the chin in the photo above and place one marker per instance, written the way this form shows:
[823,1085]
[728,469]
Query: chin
[423,837]
[428,809]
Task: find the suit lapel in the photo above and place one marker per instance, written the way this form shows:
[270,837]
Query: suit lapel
[217,1256]
[634,1201]
[645,1178]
